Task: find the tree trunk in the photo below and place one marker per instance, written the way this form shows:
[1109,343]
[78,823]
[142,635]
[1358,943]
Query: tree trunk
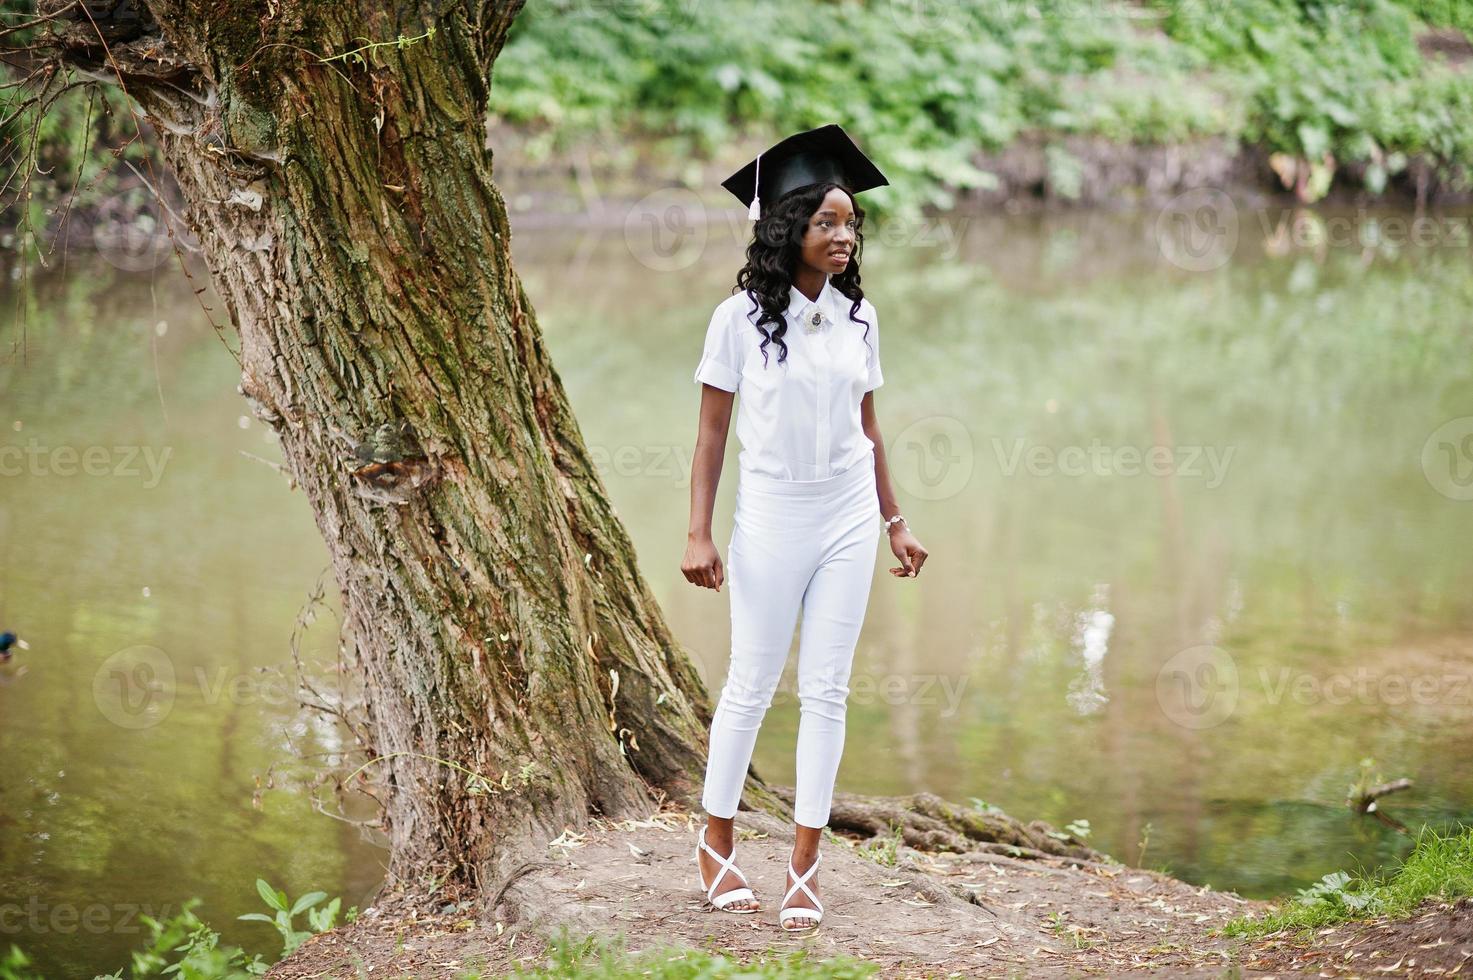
[517,674]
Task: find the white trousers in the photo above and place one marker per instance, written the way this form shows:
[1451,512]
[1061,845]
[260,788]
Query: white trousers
[795,544]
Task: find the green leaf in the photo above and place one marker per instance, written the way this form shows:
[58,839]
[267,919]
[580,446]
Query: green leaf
[307,901]
[1314,139]
[270,896]
[256,917]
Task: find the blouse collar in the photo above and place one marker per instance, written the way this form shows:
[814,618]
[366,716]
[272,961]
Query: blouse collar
[797,302]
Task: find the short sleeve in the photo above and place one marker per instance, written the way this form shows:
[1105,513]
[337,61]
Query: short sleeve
[721,361]
[876,378]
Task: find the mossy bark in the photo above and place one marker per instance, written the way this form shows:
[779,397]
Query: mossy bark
[517,672]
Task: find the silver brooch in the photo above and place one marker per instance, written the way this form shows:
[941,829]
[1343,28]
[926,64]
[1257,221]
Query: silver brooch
[815,322]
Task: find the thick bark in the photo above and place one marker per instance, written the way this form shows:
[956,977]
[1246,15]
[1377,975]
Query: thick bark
[496,616]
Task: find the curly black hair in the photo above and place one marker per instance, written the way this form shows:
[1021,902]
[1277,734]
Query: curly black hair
[772,257]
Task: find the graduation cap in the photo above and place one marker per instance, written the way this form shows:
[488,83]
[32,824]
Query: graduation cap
[822,154]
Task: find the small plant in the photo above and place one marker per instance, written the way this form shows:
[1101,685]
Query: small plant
[1440,866]
[984,806]
[883,850]
[1078,829]
[15,965]
[320,920]
[183,947]
[594,958]
[1341,893]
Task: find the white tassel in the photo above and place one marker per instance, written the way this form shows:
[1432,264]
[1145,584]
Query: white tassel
[754,210]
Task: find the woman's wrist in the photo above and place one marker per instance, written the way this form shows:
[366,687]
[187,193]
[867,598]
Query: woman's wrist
[891,523]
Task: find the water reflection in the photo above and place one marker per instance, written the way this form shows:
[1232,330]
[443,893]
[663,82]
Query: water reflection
[1125,468]
[1188,565]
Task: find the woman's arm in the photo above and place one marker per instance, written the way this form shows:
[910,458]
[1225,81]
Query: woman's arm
[904,544]
[702,565]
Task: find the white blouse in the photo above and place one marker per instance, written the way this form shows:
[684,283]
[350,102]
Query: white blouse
[798,420]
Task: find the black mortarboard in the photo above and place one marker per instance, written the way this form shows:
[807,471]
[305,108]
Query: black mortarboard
[825,153]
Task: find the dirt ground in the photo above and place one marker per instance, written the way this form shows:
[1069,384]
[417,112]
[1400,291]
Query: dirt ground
[1019,917]
[1436,941]
[930,915]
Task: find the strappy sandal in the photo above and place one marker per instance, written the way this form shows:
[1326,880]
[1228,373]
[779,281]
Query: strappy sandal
[720,902]
[788,912]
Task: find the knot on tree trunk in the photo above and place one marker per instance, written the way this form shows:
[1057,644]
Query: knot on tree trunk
[391,466]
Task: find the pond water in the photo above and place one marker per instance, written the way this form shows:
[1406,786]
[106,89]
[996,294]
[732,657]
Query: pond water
[1195,648]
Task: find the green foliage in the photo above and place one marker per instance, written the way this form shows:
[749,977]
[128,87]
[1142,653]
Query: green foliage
[1440,866]
[1331,77]
[15,965]
[929,86]
[320,920]
[182,947]
[1442,13]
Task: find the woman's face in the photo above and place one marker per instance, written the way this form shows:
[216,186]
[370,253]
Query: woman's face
[828,241]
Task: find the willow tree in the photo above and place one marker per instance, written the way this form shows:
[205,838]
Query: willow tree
[517,673]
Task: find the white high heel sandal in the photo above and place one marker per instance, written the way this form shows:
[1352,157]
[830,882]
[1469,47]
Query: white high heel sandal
[789,913]
[727,864]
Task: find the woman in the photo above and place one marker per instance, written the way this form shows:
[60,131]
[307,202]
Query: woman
[801,344]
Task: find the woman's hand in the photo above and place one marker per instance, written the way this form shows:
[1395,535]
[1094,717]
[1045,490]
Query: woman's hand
[912,556]
[702,565]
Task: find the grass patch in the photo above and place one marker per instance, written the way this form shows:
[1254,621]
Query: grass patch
[593,958]
[1440,866]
